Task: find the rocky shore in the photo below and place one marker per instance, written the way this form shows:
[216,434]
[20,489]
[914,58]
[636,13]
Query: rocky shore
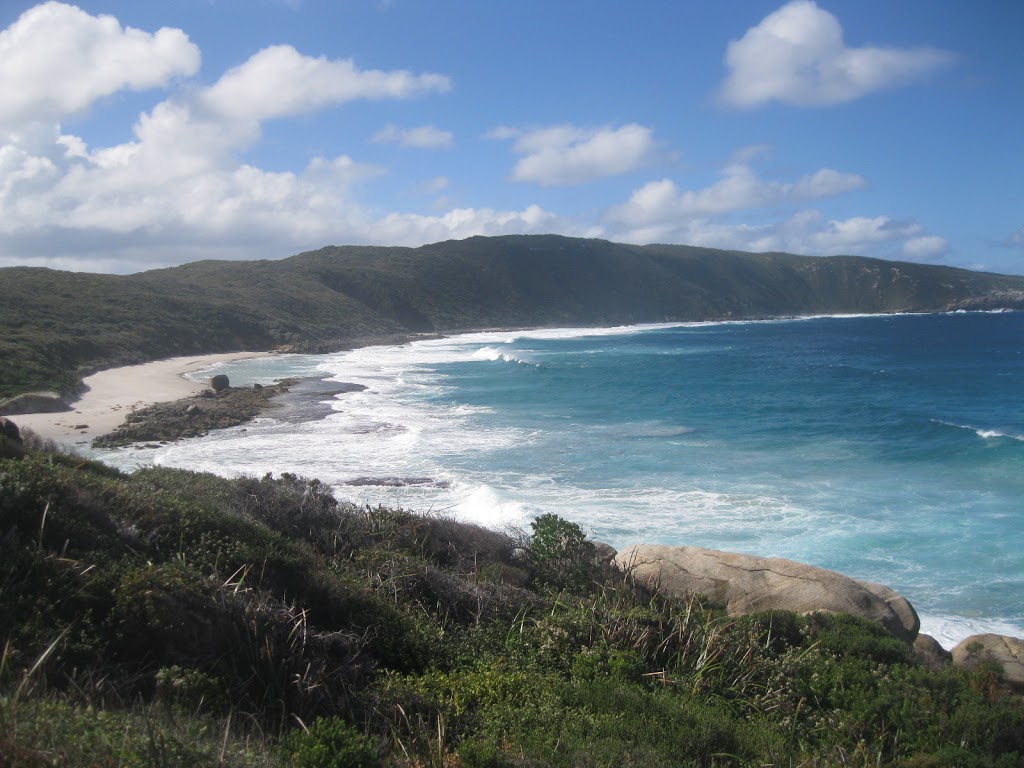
[747,584]
[209,409]
[194,416]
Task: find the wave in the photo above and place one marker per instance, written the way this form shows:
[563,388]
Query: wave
[951,630]
[397,482]
[986,434]
[493,354]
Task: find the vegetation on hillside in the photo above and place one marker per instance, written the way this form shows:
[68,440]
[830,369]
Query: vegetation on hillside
[56,327]
[168,618]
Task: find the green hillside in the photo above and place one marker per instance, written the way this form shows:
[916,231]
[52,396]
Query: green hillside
[57,326]
[172,618]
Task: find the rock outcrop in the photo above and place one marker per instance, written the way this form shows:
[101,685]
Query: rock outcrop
[1006,651]
[193,416]
[748,584]
[33,402]
[928,651]
[11,445]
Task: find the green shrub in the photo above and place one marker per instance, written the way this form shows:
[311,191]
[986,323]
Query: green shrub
[562,555]
[330,743]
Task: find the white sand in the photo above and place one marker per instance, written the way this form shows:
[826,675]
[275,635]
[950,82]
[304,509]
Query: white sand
[116,392]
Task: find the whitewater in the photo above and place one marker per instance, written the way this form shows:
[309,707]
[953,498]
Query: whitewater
[889,448]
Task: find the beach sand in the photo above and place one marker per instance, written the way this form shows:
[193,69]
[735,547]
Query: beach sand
[113,394]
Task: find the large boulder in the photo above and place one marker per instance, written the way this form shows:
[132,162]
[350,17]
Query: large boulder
[33,402]
[749,584]
[1007,651]
[11,445]
[928,651]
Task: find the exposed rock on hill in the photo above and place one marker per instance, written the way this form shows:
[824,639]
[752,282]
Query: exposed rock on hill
[749,584]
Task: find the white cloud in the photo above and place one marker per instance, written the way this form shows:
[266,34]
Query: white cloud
[719,216]
[565,154]
[57,60]
[853,235]
[421,137]
[177,190]
[797,55]
[925,247]
[280,81]
[739,189]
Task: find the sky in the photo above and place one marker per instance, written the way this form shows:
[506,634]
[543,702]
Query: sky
[139,134]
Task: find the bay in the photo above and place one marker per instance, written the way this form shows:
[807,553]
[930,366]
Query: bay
[889,448]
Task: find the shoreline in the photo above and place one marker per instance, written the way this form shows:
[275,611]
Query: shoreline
[111,394]
[114,393]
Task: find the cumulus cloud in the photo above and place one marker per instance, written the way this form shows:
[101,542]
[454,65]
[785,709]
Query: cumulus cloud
[720,216]
[740,188]
[925,247]
[565,154]
[421,137]
[280,81]
[177,190]
[797,56]
[806,232]
[57,60]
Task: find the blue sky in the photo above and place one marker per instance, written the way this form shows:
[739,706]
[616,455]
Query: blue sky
[140,134]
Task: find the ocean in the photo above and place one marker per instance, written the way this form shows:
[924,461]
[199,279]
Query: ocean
[889,448]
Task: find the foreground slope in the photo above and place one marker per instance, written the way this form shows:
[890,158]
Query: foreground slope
[55,326]
[176,618]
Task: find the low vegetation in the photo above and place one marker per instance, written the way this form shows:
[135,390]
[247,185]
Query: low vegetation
[174,618]
[56,327]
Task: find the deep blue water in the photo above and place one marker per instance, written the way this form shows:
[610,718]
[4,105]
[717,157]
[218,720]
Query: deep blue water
[890,448]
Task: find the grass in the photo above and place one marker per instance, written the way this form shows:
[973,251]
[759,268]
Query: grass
[175,618]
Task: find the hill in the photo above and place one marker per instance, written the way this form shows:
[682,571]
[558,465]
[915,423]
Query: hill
[57,326]
[176,618]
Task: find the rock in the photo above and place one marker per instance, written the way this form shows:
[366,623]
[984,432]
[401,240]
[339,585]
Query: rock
[927,651]
[11,444]
[750,584]
[219,382]
[1007,651]
[604,554]
[33,402]
[898,603]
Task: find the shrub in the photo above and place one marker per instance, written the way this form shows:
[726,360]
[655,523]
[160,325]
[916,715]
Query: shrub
[331,743]
[563,556]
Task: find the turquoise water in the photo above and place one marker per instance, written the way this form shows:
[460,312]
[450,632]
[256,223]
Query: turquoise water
[890,448]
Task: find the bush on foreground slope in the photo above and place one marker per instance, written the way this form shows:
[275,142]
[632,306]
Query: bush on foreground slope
[170,618]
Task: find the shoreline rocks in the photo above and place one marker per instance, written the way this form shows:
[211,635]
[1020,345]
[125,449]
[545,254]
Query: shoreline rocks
[1006,651]
[193,416]
[749,584]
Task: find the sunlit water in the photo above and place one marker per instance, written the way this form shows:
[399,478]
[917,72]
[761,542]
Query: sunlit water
[890,448]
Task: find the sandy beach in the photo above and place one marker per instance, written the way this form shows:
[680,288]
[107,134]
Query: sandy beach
[112,394]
